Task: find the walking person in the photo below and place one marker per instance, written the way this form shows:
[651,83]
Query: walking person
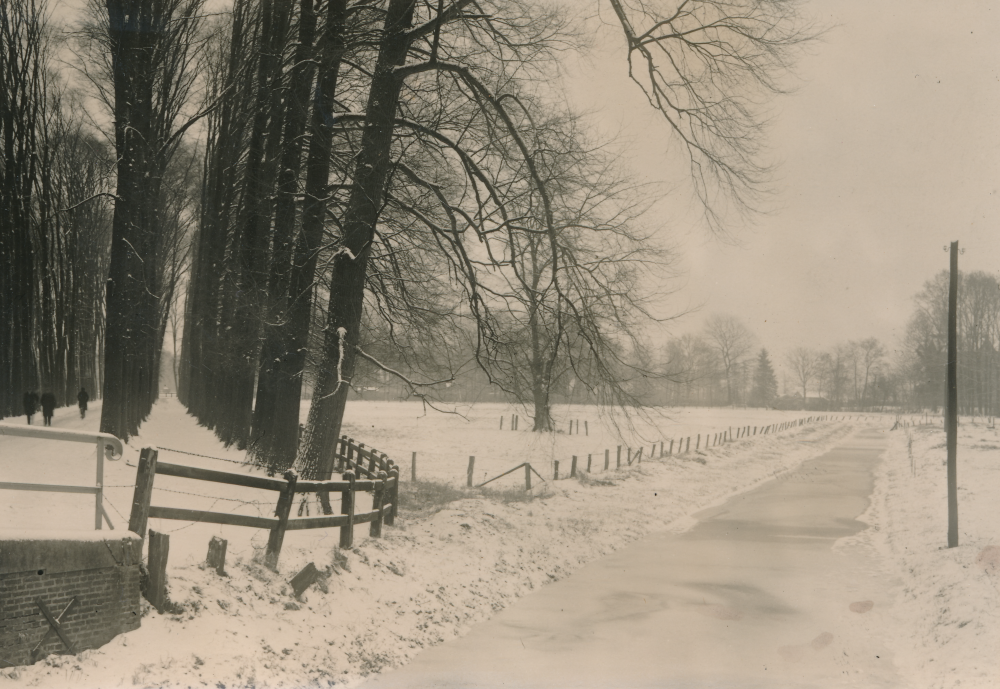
[82,398]
[30,402]
[48,407]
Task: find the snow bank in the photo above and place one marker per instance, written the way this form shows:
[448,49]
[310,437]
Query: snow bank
[947,611]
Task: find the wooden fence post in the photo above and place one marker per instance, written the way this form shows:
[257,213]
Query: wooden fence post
[607,459]
[570,427]
[277,535]
[217,555]
[688,449]
[618,459]
[589,457]
[697,444]
[347,507]
[159,549]
[413,467]
[572,468]
[390,516]
[468,473]
[378,506]
[501,423]
[638,455]
[527,476]
[671,450]
[586,428]
[555,476]
[628,455]
[144,476]
[304,579]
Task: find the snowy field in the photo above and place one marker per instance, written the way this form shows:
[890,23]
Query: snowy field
[444,568]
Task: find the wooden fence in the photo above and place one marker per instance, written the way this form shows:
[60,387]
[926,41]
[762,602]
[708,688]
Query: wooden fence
[382,484]
[683,443]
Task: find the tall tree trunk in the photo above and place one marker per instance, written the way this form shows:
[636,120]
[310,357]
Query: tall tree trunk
[243,348]
[275,424]
[347,280]
[303,270]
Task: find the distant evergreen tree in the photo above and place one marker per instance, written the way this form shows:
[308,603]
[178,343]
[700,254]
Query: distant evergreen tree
[765,383]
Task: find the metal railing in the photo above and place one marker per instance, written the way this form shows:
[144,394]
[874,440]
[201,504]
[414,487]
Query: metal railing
[106,444]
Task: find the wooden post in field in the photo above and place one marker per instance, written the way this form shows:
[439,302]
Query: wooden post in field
[638,455]
[468,473]
[555,474]
[378,506]
[697,443]
[304,579]
[589,457]
[661,448]
[952,408]
[629,455]
[217,555]
[607,459]
[688,447]
[390,516]
[277,535]
[671,450]
[143,493]
[347,508]
[570,427]
[501,423]
[586,428]
[527,476]
[413,466]
[619,459]
[572,468]
[159,549]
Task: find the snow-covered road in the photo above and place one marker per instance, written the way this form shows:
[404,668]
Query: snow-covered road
[753,595]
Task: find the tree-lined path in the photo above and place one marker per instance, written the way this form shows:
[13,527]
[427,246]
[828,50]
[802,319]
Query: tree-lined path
[753,596]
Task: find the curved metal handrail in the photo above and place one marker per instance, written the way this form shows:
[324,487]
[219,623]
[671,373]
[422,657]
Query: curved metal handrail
[106,445]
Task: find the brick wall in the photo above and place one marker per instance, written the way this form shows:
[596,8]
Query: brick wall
[101,574]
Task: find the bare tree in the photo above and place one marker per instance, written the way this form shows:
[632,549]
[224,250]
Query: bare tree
[733,342]
[708,66]
[870,357]
[804,364]
[140,56]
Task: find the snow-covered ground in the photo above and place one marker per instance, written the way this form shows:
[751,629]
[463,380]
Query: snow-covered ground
[947,609]
[445,567]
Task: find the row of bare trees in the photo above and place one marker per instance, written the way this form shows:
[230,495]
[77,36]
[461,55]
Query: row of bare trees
[56,222]
[389,183]
[922,365]
[393,182]
[723,366]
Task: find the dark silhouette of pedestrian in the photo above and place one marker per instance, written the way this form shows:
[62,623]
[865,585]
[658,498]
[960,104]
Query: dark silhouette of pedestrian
[82,398]
[48,406]
[30,404]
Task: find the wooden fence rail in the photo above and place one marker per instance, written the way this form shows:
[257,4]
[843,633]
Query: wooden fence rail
[683,443]
[382,484]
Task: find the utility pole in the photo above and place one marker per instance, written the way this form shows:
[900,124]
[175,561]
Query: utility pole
[951,423]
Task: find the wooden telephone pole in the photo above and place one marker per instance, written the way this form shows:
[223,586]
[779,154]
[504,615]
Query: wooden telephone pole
[951,423]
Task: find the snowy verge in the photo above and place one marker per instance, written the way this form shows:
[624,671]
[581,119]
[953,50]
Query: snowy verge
[946,604]
[429,579]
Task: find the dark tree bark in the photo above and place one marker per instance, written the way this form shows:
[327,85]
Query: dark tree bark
[292,342]
[249,293]
[276,412]
[347,278]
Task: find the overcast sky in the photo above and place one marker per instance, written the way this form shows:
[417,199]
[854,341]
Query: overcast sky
[888,151]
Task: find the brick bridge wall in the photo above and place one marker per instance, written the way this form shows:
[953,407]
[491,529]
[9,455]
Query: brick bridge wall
[99,569]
